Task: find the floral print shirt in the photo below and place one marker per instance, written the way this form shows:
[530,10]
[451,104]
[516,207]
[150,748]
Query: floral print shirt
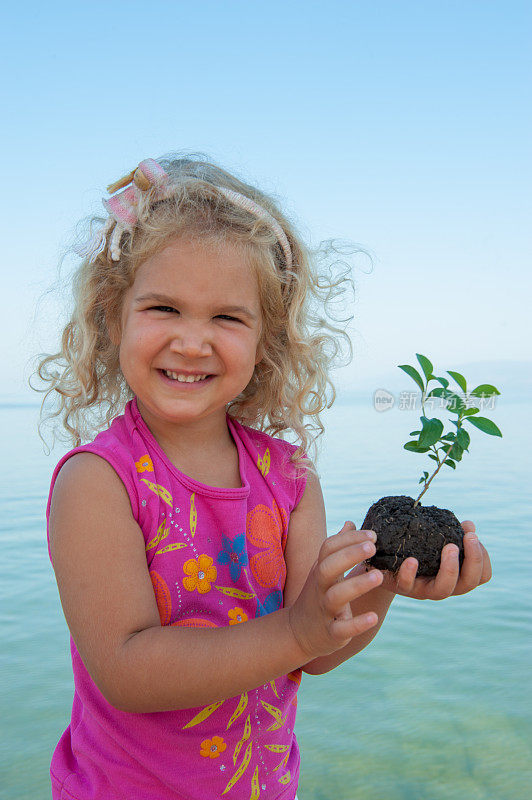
[215,557]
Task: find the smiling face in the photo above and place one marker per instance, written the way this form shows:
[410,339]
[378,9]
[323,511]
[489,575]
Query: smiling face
[190,329]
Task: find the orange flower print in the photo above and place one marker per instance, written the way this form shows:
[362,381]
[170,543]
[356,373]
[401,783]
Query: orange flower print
[265,528]
[144,464]
[295,676]
[237,615]
[200,574]
[162,596]
[211,748]
[195,622]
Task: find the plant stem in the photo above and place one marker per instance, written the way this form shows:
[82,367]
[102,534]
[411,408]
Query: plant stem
[440,465]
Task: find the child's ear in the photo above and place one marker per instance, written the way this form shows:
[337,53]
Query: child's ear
[259,355]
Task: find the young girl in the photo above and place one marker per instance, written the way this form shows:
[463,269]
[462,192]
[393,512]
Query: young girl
[188,542]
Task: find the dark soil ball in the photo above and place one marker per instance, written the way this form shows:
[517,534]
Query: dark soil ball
[404,531]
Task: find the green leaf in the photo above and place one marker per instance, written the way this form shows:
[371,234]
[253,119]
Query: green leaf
[484,390]
[449,437]
[450,463]
[415,447]
[414,374]
[486,425]
[456,452]
[433,457]
[457,404]
[460,380]
[463,438]
[421,480]
[470,411]
[437,392]
[444,382]
[414,433]
[432,430]
[425,474]
[426,366]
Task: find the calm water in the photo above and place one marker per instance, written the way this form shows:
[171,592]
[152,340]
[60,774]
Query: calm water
[438,707]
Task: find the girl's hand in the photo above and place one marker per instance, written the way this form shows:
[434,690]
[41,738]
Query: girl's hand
[450,580]
[321,617]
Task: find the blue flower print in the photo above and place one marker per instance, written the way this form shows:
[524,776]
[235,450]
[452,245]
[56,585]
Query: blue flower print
[273,602]
[234,554]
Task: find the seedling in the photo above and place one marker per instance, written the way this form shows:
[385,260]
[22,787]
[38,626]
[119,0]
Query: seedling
[403,526]
[446,448]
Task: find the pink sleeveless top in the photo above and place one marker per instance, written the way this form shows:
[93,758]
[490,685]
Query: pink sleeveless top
[215,557]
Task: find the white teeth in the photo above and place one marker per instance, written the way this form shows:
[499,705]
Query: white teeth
[178,376]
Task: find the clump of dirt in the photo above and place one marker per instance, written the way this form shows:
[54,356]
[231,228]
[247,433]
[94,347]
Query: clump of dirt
[404,531]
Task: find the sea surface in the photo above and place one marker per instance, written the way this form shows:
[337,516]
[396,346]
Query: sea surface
[438,707]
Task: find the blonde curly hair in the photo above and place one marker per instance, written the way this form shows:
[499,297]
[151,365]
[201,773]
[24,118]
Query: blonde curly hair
[301,339]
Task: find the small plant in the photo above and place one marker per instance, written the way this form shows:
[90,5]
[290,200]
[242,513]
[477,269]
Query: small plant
[446,448]
[403,526]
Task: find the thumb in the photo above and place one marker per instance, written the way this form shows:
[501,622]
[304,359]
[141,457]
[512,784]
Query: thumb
[348,526]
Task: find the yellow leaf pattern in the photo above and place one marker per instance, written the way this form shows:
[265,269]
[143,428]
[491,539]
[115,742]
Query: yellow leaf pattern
[169,547]
[203,714]
[193,515]
[255,788]
[235,592]
[283,762]
[163,493]
[242,768]
[162,533]
[241,707]
[264,462]
[277,748]
[276,714]
[245,737]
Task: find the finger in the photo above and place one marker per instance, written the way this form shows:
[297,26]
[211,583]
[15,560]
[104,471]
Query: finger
[348,535]
[345,629]
[348,590]
[357,536]
[447,577]
[406,577]
[468,526]
[334,565]
[472,567]
[486,565]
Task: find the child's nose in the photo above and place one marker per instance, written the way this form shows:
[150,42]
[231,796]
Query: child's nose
[191,342]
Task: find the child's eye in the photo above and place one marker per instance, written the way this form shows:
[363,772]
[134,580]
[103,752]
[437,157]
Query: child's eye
[226,316]
[164,309]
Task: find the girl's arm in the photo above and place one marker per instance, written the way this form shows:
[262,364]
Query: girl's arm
[99,558]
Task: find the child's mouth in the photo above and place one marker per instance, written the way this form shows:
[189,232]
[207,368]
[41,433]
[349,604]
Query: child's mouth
[183,377]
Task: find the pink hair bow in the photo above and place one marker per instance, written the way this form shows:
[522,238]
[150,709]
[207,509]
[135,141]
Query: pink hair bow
[123,215]
[122,207]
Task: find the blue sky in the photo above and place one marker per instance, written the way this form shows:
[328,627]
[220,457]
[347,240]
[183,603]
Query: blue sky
[402,126]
